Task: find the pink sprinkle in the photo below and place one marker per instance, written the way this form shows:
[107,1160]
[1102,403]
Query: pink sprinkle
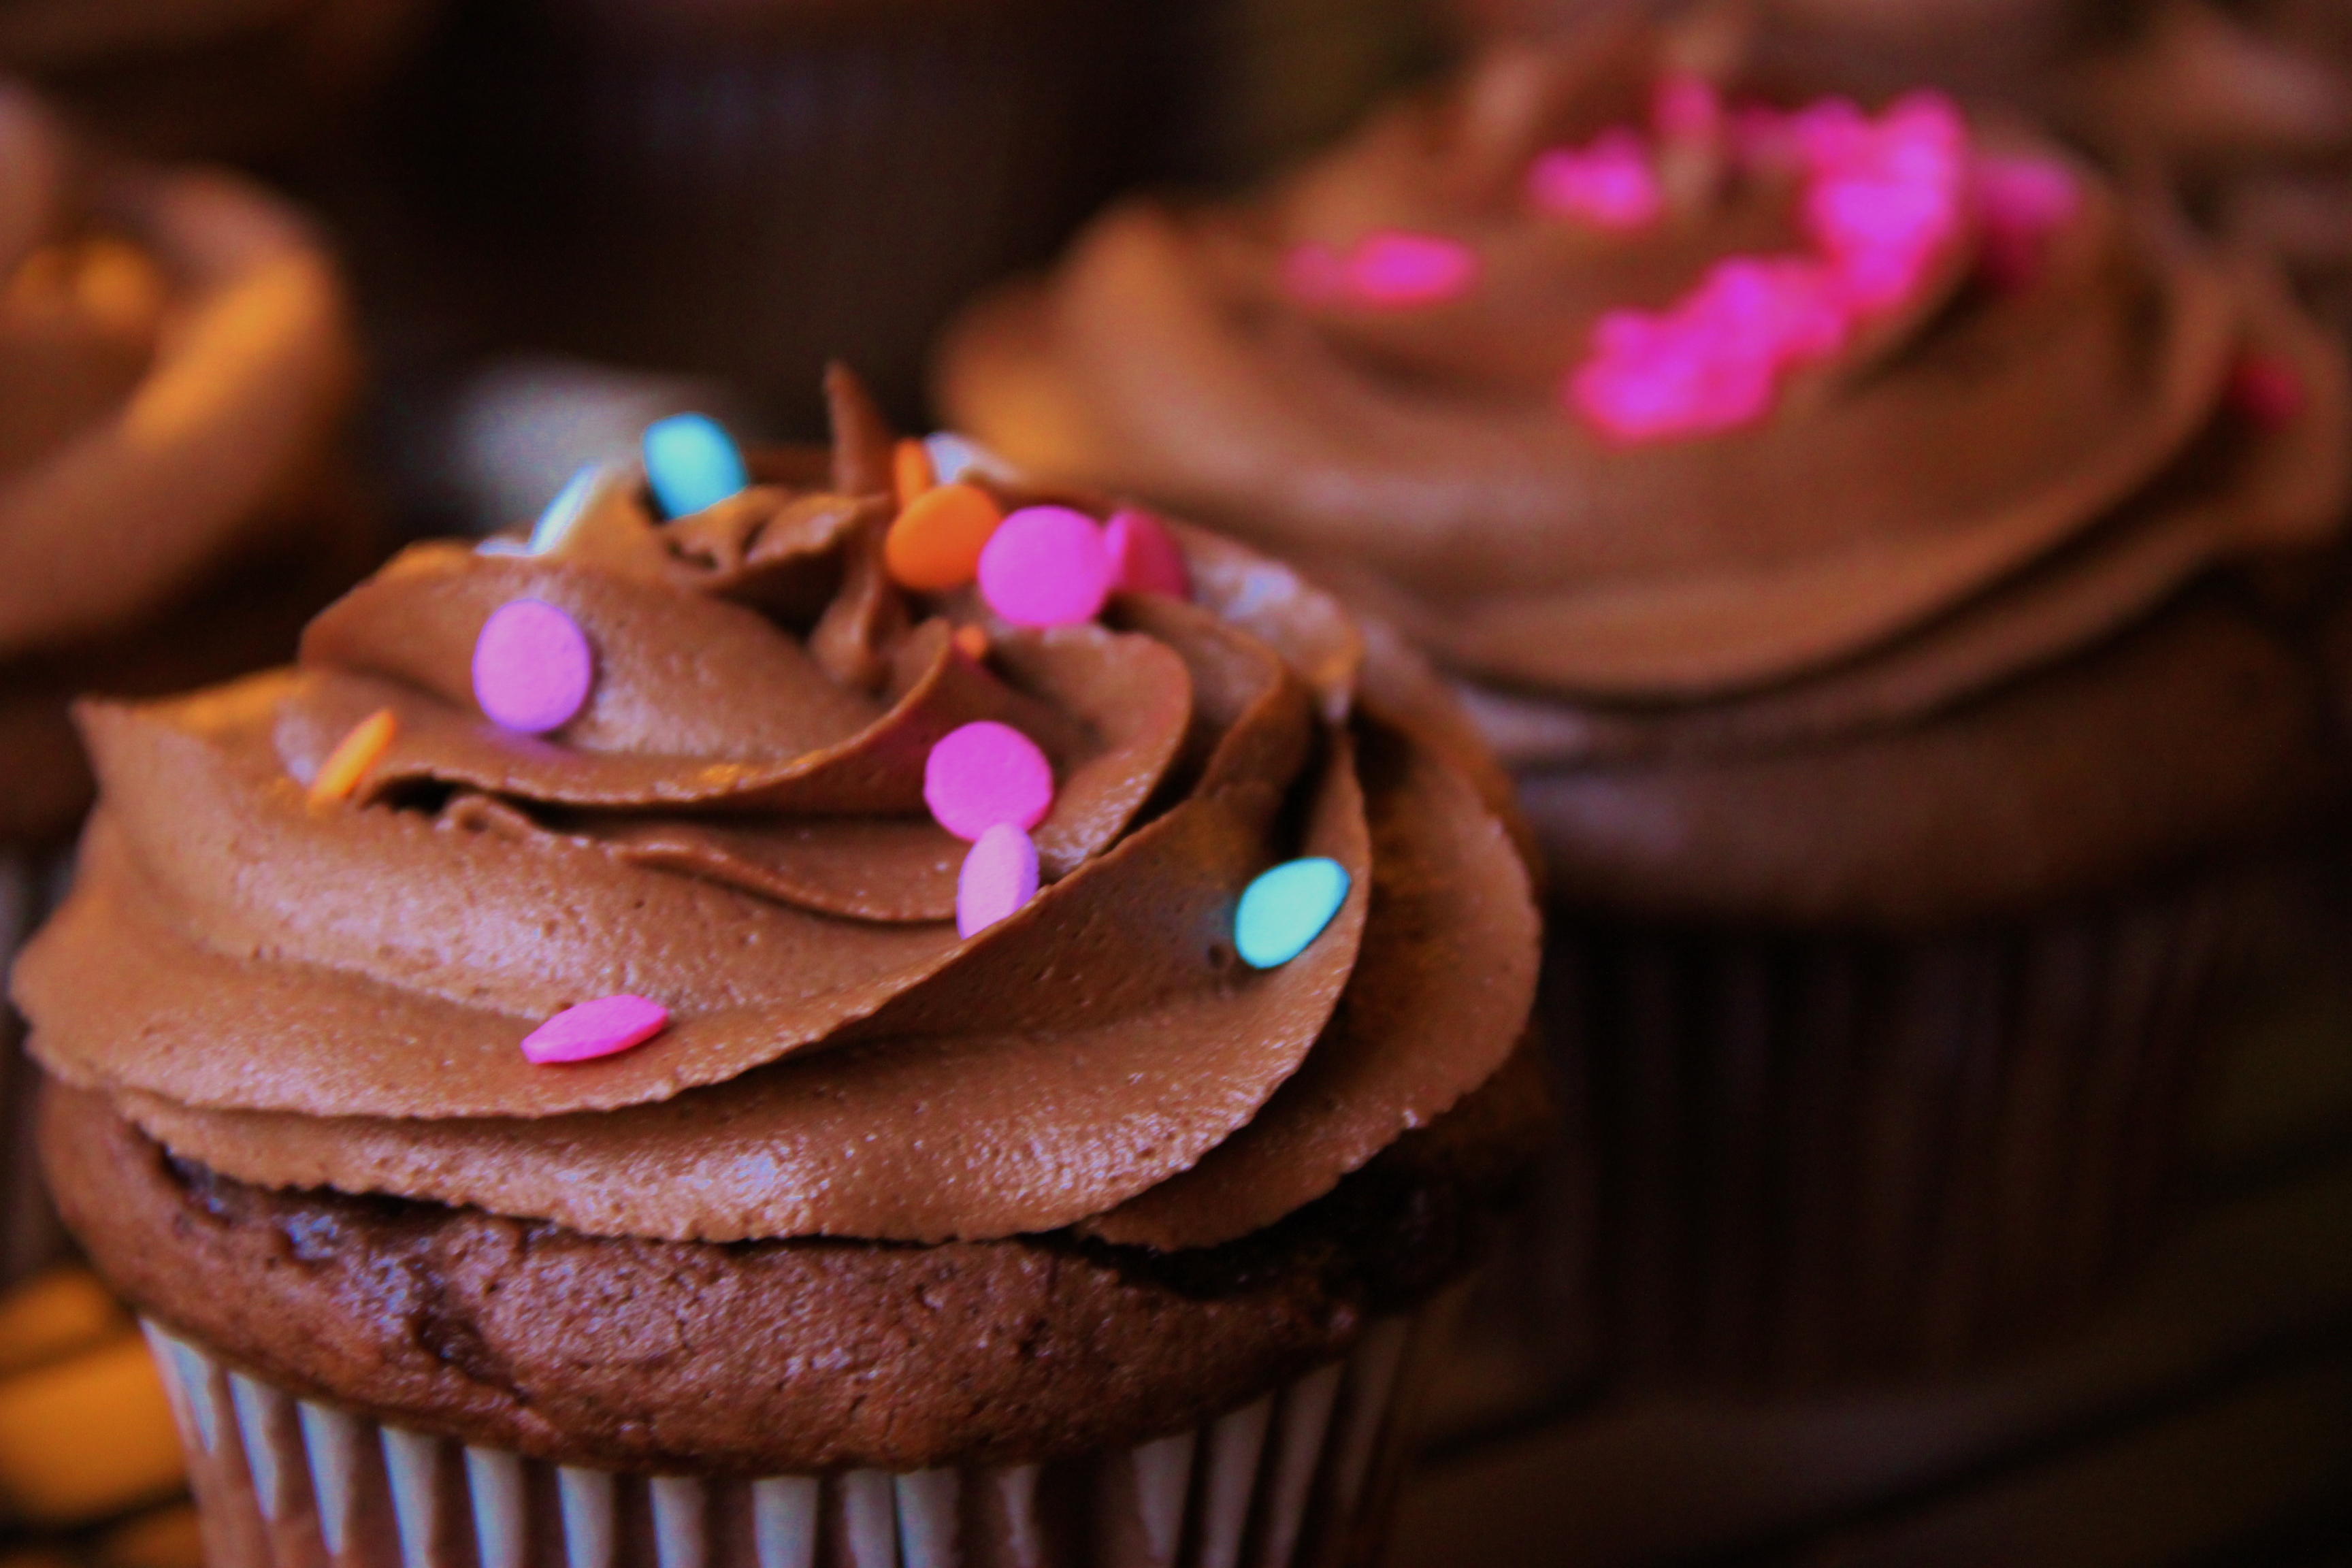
[1885,197]
[1687,108]
[986,774]
[601,1028]
[532,667]
[1144,558]
[1609,184]
[2021,201]
[1394,270]
[2267,390]
[1045,566]
[999,877]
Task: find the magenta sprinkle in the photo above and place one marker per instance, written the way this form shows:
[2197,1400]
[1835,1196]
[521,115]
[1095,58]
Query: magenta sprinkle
[1144,558]
[2021,203]
[2267,390]
[999,877]
[600,1029]
[984,774]
[1045,566]
[532,667]
[1608,184]
[1389,270]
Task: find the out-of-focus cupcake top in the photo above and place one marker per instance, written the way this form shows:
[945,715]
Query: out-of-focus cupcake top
[729,865]
[176,370]
[1629,375]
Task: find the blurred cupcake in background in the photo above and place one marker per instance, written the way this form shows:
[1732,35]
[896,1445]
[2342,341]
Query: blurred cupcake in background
[265,80]
[742,188]
[1837,514]
[175,375]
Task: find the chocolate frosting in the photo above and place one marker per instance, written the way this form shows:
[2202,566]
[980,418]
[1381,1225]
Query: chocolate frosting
[176,368]
[734,826]
[1988,484]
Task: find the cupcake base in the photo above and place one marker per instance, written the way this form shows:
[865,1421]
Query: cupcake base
[1301,1475]
[1831,1160]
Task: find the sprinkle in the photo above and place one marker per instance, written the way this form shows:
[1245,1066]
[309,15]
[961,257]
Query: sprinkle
[1389,270]
[1047,566]
[2267,390]
[532,667]
[2021,202]
[935,543]
[353,755]
[1609,184]
[1286,909]
[1144,557]
[570,505]
[955,458]
[998,878]
[972,641]
[984,774]
[910,470]
[692,463]
[1688,107]
[600,1029]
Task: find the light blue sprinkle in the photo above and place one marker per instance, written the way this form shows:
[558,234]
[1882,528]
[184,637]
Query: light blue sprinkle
[570,505]
[1287,908]
[692,463]
[954,457]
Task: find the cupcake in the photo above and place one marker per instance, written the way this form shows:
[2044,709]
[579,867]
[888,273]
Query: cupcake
[214,78]
[743,188]
[1843,519]
[175,369]
[658,1043]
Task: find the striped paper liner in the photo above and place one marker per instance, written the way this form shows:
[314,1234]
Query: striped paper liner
[1298,1478]
[1823,1159]
[30,1236]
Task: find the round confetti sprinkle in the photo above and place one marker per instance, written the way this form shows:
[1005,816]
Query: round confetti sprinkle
[1286,909]
[910,470]
[692,463]
[1047,566]
[970,641]
[1144,558]
[998,878]
[353,755]
[986,775]
[532,667]
[935,543]
[1394,270]
[600,1029]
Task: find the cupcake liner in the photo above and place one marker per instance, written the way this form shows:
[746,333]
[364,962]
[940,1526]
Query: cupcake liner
[1300,1476]
[1825,1159]
[30,1236]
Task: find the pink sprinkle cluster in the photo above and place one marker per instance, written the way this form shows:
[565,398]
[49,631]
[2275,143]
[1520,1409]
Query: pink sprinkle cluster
[1392,270]
[2021,203]
[1608,183]
[1882,199]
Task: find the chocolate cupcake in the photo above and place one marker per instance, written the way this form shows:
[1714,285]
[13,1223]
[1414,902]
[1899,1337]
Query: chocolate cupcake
[1839,517]
[175,369]
[605,1144]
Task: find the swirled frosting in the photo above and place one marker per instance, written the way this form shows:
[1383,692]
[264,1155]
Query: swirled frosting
[1942,406]
[733,826]
[176,370]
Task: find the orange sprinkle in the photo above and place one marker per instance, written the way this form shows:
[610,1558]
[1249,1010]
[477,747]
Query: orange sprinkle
[935,543]
[971,642]
[910,469]
[353,755]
